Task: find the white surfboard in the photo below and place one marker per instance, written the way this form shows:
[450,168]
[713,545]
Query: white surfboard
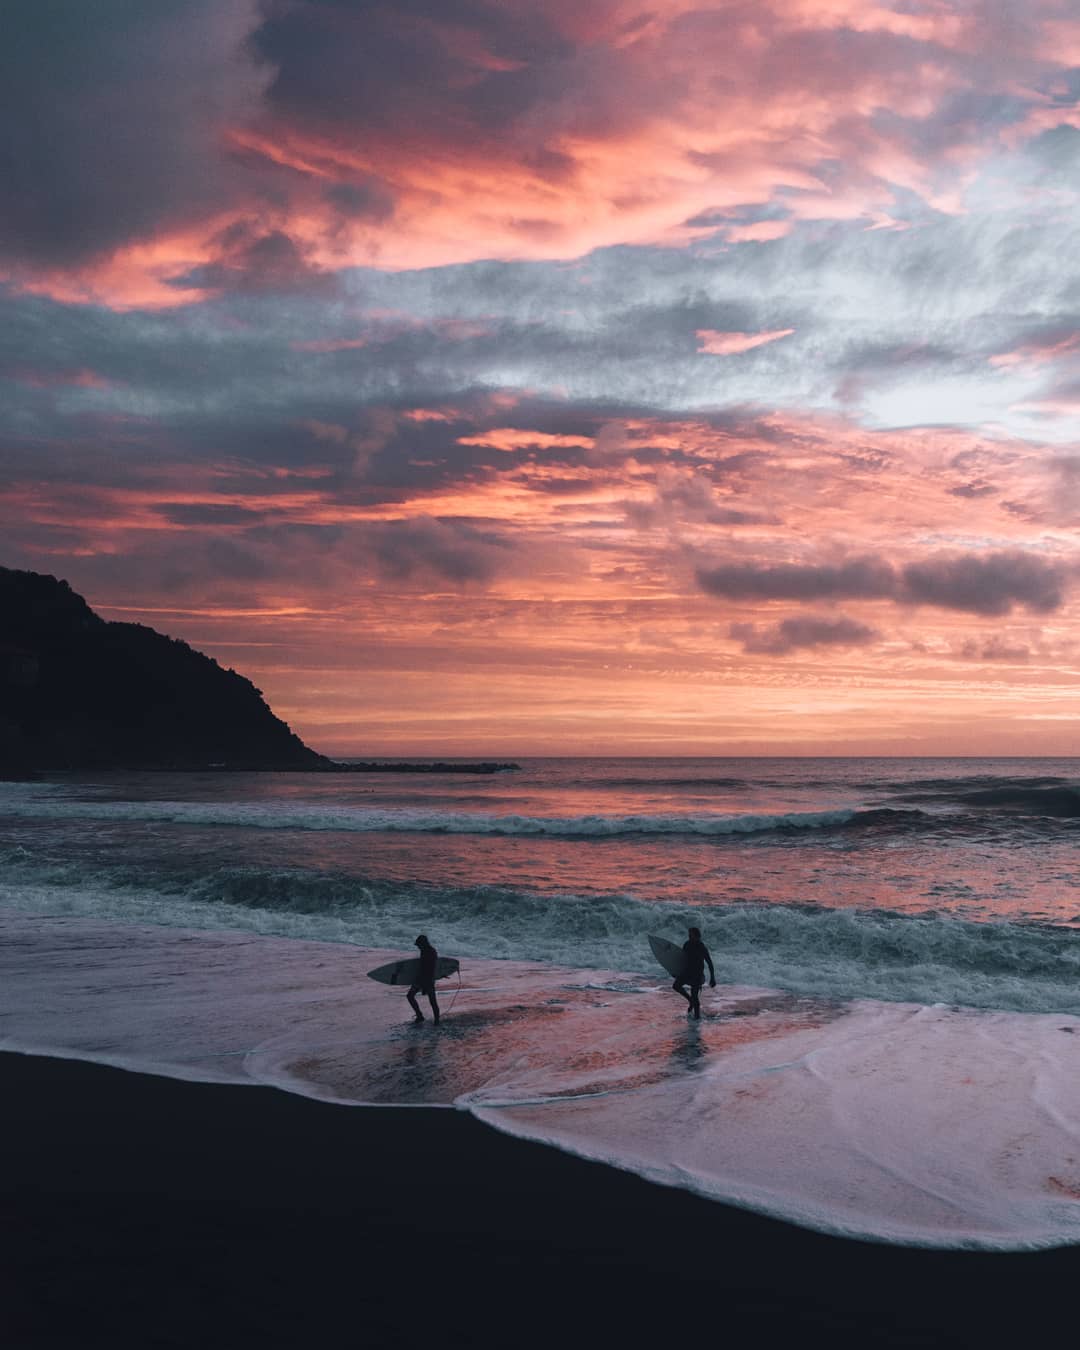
[407,971]
[672,958]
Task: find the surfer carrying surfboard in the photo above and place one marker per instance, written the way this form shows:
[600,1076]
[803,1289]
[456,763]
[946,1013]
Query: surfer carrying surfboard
[424,981]
[697,957]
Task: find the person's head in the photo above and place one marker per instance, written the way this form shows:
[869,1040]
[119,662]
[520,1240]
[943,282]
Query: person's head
[695,934]
[422,941]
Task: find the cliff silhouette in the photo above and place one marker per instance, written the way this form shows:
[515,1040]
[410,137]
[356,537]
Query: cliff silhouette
[77,692]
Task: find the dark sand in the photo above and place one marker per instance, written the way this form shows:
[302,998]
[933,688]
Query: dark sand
[139,1211]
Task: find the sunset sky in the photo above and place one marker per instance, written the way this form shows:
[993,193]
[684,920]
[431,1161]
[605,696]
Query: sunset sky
[560,376]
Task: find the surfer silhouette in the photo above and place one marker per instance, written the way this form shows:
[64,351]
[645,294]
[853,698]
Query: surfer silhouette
[693,974]
[425,980]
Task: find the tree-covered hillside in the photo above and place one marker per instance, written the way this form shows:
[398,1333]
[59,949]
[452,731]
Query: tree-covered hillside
[78,692]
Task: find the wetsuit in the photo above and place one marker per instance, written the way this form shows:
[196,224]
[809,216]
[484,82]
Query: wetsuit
[425,983]
[697,955]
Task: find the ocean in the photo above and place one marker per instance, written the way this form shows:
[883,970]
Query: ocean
[890,1052]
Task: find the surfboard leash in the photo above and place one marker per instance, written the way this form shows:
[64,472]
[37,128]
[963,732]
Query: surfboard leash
[456,991]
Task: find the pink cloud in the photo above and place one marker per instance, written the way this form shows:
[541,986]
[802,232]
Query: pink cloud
[547,129]
[393,595]
[331,345]
[1038,351]
[1064,405]
[730,344]
[426,415]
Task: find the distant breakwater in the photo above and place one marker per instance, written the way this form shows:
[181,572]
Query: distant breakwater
[438,766]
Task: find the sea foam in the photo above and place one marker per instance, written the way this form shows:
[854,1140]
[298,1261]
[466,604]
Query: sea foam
[887,1121]
[804,949]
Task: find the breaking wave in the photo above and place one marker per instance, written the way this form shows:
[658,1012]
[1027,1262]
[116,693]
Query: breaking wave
[843,954]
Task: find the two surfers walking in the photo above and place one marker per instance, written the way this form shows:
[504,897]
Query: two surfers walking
[687,965]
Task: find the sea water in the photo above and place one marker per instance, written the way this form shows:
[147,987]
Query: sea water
[891,1052]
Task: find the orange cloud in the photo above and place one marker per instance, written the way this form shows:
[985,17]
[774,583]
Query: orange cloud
[571,615]
[514,438]
[139,275]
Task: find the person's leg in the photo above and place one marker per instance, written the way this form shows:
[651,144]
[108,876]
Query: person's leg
[680,988]
[411,996]
[434,1004]
[695,1000]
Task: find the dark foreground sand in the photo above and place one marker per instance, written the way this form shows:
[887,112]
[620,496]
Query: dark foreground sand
[138,1211]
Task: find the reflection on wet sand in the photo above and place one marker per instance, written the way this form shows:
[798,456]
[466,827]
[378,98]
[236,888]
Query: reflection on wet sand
[689,1051]
[593,1039]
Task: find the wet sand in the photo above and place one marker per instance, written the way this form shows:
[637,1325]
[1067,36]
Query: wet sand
[141,1211]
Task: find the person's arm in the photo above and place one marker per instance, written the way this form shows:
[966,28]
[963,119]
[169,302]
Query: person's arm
[712,973]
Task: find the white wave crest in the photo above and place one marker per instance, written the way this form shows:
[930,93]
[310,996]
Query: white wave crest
[277,816]
[808,950]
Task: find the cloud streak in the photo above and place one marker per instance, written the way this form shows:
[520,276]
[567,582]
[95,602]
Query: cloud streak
[990,584]
[731,344]
[802,632]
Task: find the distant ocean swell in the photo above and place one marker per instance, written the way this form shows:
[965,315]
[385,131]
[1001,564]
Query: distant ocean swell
[1062,801]
[808,950]
[1053,804]
[1031,788]
[372,820]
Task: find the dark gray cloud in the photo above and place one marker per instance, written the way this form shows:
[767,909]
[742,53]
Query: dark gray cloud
[110,113]
[973,490]
[367,198]
[682,496]
[211,513]
[855,579]
[995,650]
[447,550]
[802,631]
[990,584]
[228,554]
[252,259]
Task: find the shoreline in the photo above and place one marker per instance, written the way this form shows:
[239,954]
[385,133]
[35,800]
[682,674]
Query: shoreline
[146,1211]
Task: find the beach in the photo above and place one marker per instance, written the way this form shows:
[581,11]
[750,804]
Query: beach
[220,1132]
[142,1211]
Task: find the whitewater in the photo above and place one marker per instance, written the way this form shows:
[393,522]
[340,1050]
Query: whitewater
[890,1053]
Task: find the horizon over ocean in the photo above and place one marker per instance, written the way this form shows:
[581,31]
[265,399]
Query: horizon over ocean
[884,929]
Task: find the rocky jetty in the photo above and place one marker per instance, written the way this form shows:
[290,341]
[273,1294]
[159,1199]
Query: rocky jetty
[435,766]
